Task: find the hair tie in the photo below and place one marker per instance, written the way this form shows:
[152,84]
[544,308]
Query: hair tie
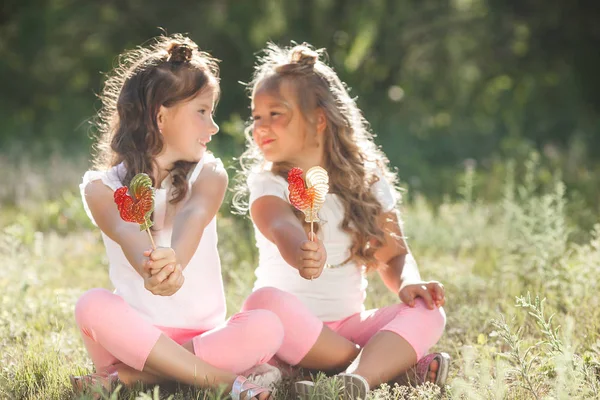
[179,52]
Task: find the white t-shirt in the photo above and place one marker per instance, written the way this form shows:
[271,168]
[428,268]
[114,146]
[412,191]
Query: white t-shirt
[200,302]
[340,291]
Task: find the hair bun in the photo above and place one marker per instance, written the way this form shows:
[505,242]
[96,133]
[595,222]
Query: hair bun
[179,52]
[304,55]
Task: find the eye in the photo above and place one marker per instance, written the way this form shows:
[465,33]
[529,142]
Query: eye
[275,113]
[202,111]
[254,118]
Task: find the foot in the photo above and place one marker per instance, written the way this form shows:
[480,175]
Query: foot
[264,375]
[432,371]
[431,368]
[97,384]
[243,389]
[287,371]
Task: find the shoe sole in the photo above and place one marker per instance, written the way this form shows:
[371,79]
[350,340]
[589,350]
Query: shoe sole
[303,390]
[354,387]
[443,367]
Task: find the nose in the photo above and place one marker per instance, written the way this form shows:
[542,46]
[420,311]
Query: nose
[214,129]
[261,125]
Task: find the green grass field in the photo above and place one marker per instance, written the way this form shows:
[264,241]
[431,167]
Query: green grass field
[498,261]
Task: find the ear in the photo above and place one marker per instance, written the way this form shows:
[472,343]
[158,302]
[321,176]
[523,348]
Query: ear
[321,120]
[161,117]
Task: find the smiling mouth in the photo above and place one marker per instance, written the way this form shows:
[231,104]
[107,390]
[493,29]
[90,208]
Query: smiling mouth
[267,141]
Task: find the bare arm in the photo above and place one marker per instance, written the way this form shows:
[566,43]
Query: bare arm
[100,200]
[207,195]
[401,277]
[396,273]
[277,222]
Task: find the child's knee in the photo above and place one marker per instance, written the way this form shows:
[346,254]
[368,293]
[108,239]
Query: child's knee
[419,325]
[433,318]
[264,327]
[440,319]
[268,298]
[265,330]
[93,304]
[431,321]
[272,329]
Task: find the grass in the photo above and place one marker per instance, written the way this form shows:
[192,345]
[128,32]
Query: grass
[521,280]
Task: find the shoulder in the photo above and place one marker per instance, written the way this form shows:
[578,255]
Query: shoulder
[265,183]
[110,177]
[382,185]
[208,166]
[97,189]
[262,178]
[98,201]
[211,178]
[215,171]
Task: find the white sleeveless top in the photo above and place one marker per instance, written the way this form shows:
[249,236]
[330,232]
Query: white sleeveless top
[200,302]
[340,291]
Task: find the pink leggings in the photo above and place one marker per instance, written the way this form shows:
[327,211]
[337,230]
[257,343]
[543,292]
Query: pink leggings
[112,331]
[421,327]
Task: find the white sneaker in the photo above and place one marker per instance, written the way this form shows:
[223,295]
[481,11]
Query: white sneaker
[264,375]
[353,387]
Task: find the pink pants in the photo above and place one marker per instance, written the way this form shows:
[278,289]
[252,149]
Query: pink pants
[114,332]
[418,325]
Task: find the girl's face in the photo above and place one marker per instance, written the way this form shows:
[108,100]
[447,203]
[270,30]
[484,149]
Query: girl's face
[279,128]
[188,126]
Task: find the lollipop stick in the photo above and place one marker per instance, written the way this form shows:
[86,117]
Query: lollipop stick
[151,239]
[312,219]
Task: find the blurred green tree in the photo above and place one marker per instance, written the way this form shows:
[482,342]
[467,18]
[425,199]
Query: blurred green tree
[442,82]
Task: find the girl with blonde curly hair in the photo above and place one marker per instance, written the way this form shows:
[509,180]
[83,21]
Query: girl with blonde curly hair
[303,116]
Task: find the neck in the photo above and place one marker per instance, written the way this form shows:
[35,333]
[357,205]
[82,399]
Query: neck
[308,159]
[161,169]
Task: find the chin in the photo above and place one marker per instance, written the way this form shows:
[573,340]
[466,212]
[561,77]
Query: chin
[194,158]
[200,154]
[271,157]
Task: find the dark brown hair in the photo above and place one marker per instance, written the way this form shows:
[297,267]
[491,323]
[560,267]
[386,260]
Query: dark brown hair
[169,70]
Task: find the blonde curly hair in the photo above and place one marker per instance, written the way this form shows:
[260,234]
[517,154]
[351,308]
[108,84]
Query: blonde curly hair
[352,159]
